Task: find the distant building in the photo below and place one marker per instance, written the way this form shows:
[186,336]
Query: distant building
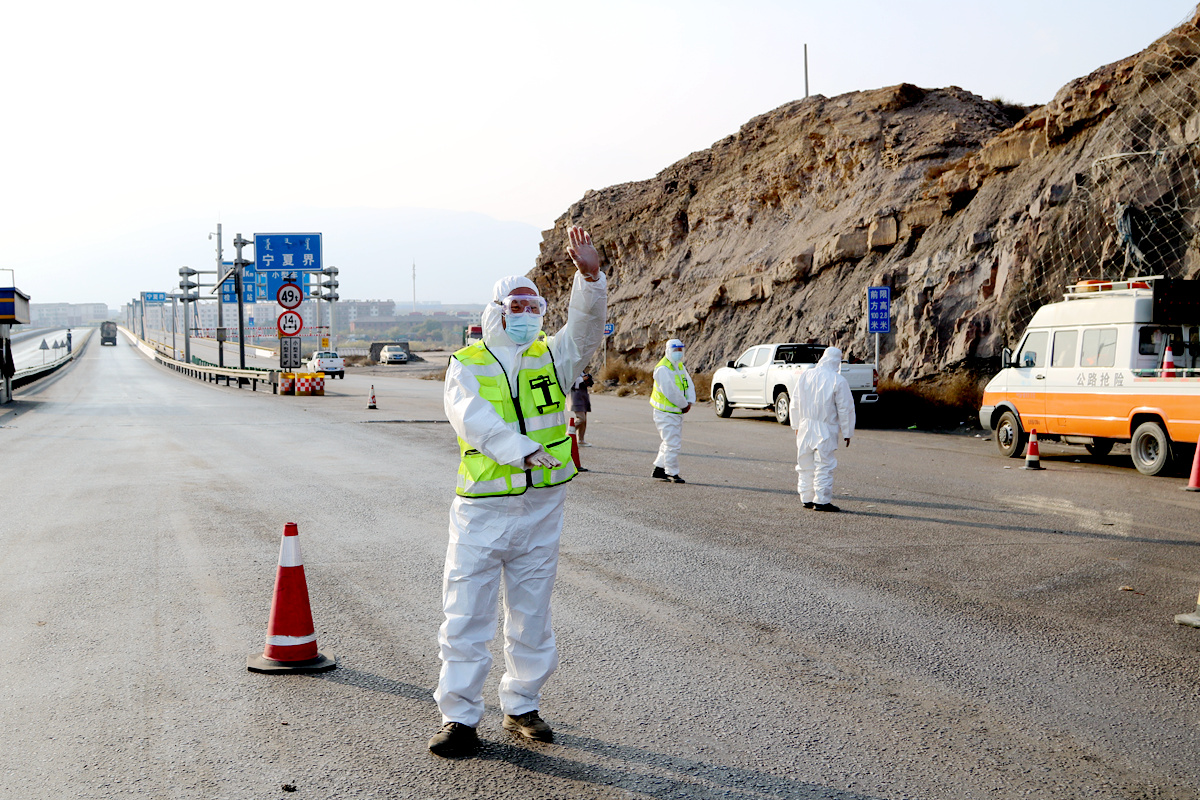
[66,315]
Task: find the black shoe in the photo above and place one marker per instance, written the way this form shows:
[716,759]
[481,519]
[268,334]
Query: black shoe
[530,725]
[826,507]
[810,505]
[454,740]
[675,479]
[659,473]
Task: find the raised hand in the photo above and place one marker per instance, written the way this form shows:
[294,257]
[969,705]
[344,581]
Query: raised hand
[583,254]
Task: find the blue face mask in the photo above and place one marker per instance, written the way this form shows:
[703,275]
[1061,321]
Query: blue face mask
[522,328]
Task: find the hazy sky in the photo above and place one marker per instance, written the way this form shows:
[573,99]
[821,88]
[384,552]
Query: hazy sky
[126,118]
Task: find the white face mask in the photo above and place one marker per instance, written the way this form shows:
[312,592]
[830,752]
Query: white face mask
[522,328]
[675,355]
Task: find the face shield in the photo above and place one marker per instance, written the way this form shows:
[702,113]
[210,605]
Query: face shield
[522,316]
[675,353]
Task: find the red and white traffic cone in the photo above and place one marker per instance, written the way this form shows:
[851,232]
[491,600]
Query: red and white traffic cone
[291,637]
[1033,458]
[371,404]
[1194,481]
[574,445]
[1168,368]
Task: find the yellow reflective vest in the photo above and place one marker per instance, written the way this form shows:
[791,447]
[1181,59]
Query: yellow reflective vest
[536,410]
[660,400]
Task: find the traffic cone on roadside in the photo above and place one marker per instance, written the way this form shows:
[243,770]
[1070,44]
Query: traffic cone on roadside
[1033,458]
[371,404]
[1194,481]
[291,638]
[1191,620]
[1168,368]
[574,446]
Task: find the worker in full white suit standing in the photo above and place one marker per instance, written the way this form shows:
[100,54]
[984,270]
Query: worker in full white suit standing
[505,396]
[822,410]
[673,396]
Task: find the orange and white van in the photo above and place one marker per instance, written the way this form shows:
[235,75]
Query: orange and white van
[1115,361]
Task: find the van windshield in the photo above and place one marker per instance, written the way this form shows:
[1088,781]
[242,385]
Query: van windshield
[1033,350]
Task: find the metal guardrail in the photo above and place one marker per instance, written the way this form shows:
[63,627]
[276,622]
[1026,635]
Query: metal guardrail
[202,371]
[23,377]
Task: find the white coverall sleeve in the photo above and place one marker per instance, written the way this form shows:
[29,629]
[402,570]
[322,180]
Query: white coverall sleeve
[475,420]
[576,341]
[664,380]
[843,398]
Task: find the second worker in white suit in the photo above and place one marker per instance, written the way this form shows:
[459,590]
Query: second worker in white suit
[673,396]
[822,407]
[506,399]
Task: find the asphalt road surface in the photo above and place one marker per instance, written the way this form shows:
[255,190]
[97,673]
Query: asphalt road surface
[966,629]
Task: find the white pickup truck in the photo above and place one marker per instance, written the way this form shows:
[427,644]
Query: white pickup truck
[328,362]
[764,375]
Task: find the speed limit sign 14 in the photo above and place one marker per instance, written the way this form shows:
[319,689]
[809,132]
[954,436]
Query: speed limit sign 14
[290,323]
[289,295]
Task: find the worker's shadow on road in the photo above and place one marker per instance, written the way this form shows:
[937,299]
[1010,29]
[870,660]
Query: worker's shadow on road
[377,683]
[992,526]
[646,773]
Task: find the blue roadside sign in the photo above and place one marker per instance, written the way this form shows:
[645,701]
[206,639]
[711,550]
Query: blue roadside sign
[293,252]
[609,328]
[155,297]
[879,309]
[229,287]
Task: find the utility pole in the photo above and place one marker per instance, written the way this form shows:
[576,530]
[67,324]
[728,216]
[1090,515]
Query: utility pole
[220,303]
[414,284]
[806,70]
[239,264]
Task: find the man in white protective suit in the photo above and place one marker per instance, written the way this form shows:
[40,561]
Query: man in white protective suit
[822,406]
[506,399]
[672,397]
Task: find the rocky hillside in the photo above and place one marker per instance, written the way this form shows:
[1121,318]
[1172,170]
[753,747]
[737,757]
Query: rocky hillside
[775,233]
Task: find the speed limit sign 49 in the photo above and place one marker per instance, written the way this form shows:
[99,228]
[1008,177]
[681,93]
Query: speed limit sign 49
[290,323]
[289,295]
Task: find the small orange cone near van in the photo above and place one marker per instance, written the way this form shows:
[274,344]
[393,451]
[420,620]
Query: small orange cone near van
[1194,481]
[291,638]
[1168,367]
[371,403]
[1033,458]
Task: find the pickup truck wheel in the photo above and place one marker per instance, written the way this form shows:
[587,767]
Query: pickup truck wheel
[1009,436]
[783,407]
[721,404]
[1150,448]
[1100,447]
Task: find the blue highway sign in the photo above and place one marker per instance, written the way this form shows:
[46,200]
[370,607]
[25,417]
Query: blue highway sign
[293,252]
[155,297]
[879,309]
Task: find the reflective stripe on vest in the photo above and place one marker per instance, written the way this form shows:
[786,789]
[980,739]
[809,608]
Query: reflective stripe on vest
[537,410]
[660,400]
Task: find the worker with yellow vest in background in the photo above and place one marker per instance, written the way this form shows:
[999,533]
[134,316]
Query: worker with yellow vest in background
[505,396]
[673,396]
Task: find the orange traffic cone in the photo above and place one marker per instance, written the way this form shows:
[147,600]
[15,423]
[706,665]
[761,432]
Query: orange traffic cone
[372,403]
[1194,481]
[574,446]
[1168,368]
[1033,458]
[291,638]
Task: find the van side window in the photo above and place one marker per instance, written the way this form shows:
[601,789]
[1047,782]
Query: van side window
[1063,354]
[1033,350]
[1148,339]
[1099,348]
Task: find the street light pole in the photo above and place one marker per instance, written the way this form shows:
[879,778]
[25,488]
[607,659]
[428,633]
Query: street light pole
[220,303]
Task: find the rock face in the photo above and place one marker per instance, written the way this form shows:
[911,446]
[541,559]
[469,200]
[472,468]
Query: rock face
[775,233]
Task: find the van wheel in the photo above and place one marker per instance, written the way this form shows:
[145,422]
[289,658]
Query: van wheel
[721,404]
[1099,447]
[1150,448]
[1009,436]
[783,407]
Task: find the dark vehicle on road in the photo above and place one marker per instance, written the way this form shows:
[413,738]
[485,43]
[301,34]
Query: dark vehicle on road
[108,333]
